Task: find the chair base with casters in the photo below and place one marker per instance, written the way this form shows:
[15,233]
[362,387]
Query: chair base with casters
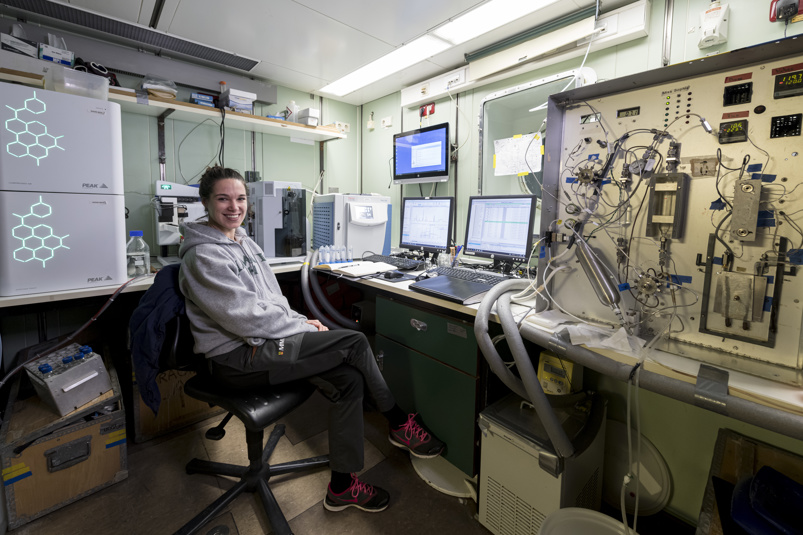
[257,410]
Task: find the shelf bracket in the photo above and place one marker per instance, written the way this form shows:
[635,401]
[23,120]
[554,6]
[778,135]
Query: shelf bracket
[160,133]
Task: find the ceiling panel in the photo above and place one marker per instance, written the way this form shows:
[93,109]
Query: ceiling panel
[281,32]
[306,44]
[127,11]
[166,16]
[395,23]
[290,78]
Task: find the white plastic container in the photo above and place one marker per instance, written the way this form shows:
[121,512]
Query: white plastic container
[83,84]
[138,255]
[292,112]
[576,521]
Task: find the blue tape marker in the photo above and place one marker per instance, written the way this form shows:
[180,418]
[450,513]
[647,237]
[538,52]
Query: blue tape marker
[764,178]
[767,304]
[719,204]
[593,156]
[571,179]
[765,223]
[624,287]
[680,279]
[754,168]
[606,182]
[718,261]
[113,444]
[795,256]
[542,252]
[766,214]
[770,279]
[18,478]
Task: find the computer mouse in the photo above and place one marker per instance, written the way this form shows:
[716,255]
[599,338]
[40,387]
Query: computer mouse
[393,274]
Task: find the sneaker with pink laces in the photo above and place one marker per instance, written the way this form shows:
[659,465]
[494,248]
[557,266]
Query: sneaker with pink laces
[360,495]
[413,437]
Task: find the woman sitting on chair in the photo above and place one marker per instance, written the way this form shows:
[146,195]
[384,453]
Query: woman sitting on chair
[246,329]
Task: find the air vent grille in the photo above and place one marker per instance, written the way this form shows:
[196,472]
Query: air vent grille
[508,514]
[323,223]
[132,32]
[588,497]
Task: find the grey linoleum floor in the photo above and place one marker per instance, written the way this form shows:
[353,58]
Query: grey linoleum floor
[158,496]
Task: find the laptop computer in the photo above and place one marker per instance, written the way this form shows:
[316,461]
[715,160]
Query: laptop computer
[452,289]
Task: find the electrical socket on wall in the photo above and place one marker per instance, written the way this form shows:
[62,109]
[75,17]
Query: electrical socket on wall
[387,122]
[343,127]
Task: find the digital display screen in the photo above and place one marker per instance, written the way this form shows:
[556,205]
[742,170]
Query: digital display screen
[365,211]
[554,371]
[422,155]
[733,131]
[786,125]
[738,94]
[789,85]
[628,112]
[500,227]
[426,223]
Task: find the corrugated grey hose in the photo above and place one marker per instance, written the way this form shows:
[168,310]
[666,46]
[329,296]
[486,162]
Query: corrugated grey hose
[307,280]
[528,386]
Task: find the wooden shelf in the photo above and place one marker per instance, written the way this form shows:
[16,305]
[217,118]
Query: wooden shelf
[193,113]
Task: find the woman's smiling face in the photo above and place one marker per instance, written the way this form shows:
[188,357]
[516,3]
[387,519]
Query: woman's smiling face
[227,206]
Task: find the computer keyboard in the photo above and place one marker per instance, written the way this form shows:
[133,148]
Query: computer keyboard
[398,262]
[473,275]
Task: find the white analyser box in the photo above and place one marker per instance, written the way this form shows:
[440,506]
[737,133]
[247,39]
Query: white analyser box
[60,241]
[59,142]
[359,221]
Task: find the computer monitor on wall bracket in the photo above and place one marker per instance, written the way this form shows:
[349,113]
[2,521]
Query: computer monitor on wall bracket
[500,227]
[422,155]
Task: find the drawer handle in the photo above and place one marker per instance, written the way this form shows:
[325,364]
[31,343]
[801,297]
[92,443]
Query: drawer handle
[418,325]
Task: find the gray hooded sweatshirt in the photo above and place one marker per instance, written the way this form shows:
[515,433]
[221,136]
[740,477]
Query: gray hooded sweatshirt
[232,296]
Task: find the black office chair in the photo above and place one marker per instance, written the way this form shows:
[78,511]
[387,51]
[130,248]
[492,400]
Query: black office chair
[257,409]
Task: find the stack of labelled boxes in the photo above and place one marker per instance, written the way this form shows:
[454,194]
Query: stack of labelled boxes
[202,99]
[20,45]
[237,100]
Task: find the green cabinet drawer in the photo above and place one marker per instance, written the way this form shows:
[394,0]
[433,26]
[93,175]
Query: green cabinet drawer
[449,340]
[443,396]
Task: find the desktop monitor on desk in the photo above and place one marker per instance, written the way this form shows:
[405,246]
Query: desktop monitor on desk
[500,227]
[426,223]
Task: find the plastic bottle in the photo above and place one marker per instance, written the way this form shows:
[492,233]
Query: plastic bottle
[222,99]
[350,257]
[292,112]
[138,255]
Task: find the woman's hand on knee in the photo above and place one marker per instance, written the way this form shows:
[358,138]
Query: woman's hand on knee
[320,326]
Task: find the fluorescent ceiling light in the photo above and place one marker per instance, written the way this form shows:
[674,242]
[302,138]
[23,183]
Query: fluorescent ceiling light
[487,17]
[413,52]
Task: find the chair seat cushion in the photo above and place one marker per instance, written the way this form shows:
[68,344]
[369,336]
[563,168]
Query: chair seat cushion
[257,408]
